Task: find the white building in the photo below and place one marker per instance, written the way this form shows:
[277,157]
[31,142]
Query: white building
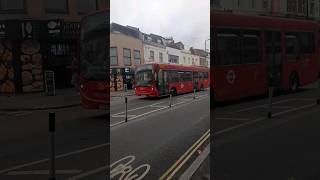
[154,49]
[173,55]
[189,59]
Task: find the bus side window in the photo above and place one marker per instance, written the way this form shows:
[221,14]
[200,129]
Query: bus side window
[251,48]
[228,47]
[292,46]
[307,42]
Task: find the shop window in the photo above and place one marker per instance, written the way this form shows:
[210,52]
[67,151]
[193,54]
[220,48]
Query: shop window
[87,6]
[127,57]
[113,56]
[57,6]
[13,6]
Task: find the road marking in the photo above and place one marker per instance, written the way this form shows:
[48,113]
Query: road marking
[88,173]
[159,106]
[294,109]
[176,166]
[196,164]
[233,119]
[42,172]
[150,105]
[164,107]
[126,170]
[305,99]
[59,156]
[259,106]
[118,116]
[282,107]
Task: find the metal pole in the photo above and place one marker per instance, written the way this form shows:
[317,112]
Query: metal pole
[126,108]
[170,98]
[318,100]
[52,143]
[270,92]
[194,93]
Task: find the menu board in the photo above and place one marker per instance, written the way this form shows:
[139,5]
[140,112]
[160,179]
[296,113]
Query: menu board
[49,82]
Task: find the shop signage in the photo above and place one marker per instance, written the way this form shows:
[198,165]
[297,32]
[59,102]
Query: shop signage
[3,33]
[27,29]
[54,27]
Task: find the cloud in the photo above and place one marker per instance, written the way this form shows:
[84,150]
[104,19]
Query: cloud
[187,21]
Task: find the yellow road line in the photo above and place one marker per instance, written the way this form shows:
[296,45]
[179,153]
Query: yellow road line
[184,155]
[188,157]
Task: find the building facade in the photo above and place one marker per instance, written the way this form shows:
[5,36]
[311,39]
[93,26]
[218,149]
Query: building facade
[125,53]
[154,49]
[40,35]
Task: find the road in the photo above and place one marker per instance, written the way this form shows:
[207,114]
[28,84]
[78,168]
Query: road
[248,145]
[81,144]
[157,141]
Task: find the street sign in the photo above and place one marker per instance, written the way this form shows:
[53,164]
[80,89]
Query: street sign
[49,82]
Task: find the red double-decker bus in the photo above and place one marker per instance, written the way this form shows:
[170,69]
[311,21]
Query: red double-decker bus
[252,52]
[156,80]
[93,76]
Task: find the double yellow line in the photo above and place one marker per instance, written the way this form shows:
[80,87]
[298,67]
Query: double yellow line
[185,157]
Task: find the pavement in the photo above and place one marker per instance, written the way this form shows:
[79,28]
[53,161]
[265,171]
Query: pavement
[64,98]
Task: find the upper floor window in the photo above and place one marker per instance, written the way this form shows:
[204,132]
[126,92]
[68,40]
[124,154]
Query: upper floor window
[151,56]
[87,6]
[113,56]
[137,57]
[12,6]
[127,57]
[57,6]
[160,57]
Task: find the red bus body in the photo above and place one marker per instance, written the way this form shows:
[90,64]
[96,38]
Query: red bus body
[164,78]
[272,41]
[93,75]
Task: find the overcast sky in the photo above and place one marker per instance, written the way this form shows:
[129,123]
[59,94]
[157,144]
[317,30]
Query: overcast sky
[187,21]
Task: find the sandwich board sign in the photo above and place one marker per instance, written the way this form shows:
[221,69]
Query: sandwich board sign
[49,82]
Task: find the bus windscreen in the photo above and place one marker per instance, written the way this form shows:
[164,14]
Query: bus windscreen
[93,57]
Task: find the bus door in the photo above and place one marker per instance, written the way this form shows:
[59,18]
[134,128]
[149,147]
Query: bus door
[163,88]
[274,60]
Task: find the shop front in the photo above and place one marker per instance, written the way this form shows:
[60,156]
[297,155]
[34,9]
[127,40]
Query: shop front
[121,78]
[29,47]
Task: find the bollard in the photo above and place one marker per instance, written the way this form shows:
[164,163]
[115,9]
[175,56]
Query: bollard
[194,93]
[318,99]
[126,108]
[270,92]
[170,99]
[52,143]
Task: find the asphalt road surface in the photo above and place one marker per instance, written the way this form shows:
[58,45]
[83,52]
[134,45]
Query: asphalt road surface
[81,144]
[158,142]
[248,145]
